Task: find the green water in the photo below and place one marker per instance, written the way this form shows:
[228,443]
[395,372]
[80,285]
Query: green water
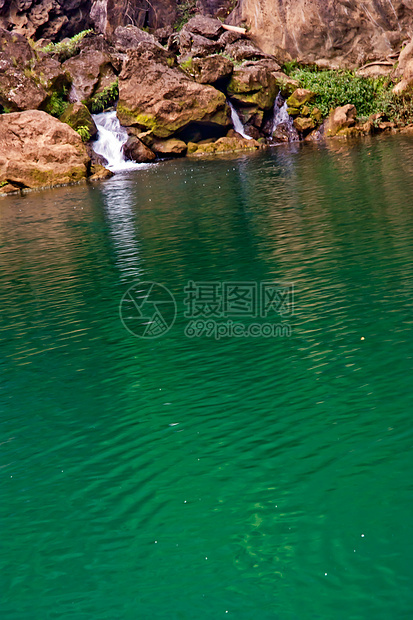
[179,478]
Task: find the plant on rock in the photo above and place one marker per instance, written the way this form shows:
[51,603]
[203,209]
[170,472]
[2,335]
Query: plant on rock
[67,48]
[57,103]
[106,98]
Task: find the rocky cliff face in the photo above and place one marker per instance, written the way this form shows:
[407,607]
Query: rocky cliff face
[333,32]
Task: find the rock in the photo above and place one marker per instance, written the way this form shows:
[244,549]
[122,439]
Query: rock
[135,150]
[99,173]
[228,37]
[37,150]
[91,71]
[300,97]
[293,111]
[169,147]
[253,84]
[381,69]
[49,19]
[303,124]
[285,84]
[341,118]
[244,49]
[99,43]
[27,79]
[107,15]
[404,71]
[223,145]
[282,133]
[162,34]
[196,45]
[128,37]
[317,115]
[214,8]
[210,69]
[77,115]
[204,26]
[346,33]
[164,100]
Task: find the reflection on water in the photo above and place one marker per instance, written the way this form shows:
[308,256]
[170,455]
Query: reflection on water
[185,478]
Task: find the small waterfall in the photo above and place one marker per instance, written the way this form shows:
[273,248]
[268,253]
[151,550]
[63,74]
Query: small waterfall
[111,139]
[236,121]
[283,121]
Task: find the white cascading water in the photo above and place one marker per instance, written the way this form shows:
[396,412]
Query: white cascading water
[281,116]
[111,139]
[236,121]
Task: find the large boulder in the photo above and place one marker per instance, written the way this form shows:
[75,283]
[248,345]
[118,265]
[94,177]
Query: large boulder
[27,79]
[153,96]
[253,84]
[91,71]
[346,33]
[37,150]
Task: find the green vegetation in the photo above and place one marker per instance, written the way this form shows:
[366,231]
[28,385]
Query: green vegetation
[337,88]
[185,10]
[57,103]
[67,48]
[83,132]
[104,99]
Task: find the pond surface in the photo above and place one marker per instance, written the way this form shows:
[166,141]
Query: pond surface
[199,477]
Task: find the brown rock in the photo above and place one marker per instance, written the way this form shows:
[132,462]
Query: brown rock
[49,19]
[169,147]
[107,15]
[91,71]
[196,44]
[135,150]
[155,97]
[99,173]
[37,150]
[128,37]
[210,69]
[244,49]
[346,33]
[26,78]
[253,84]
[341,118]
[224,145]
[204,26]
[303,124]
